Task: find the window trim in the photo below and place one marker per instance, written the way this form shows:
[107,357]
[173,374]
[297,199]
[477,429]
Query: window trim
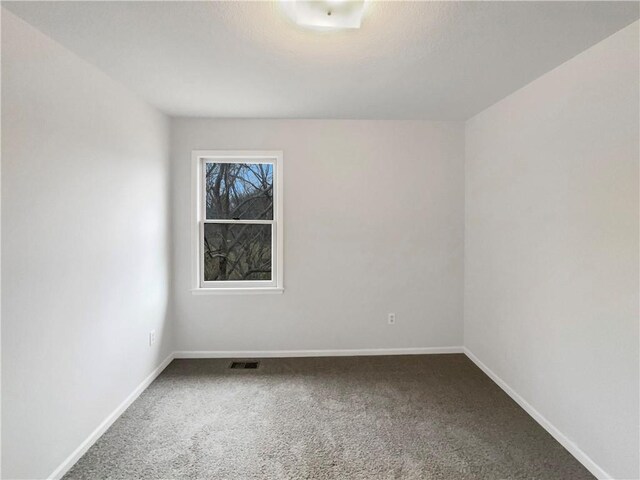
[198,220]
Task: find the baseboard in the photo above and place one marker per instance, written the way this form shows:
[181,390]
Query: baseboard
[315,353]
[571,447]
[66,465]
[107,422]
[582,457]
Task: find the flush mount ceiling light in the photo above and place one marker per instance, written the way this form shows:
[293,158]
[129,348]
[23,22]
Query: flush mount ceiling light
[328,14]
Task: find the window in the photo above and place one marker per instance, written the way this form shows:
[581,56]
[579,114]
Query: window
[237,227]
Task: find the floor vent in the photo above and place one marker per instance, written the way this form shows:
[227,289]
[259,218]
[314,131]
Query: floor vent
[244,365]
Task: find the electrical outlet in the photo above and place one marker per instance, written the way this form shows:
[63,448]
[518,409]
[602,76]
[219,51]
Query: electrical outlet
[391,320]
[152,337]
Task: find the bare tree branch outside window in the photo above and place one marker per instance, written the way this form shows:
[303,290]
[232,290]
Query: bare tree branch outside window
[238,251]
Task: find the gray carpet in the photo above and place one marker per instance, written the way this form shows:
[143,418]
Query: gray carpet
[401,417]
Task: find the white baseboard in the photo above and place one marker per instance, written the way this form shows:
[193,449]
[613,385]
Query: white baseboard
[314,353]
[537,416]
[113,416]
[66,465]
[573,449]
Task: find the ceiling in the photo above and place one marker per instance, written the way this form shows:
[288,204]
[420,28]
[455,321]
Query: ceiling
[429,60]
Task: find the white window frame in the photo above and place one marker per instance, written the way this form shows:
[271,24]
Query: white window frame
[198,216]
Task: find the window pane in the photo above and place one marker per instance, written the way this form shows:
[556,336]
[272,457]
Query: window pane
[237,252]
[242,191]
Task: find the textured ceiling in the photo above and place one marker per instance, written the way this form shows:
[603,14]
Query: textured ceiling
[431,60]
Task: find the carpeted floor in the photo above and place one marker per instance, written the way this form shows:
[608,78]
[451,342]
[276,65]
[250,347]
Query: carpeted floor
[401,417]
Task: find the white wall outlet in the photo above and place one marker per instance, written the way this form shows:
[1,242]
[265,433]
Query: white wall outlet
[152,337]
[391,319]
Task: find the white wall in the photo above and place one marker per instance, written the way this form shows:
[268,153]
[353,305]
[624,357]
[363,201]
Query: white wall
[551,272]
[374,219]
[84,248]
[374,223]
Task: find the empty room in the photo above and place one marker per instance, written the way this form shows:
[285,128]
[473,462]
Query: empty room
[320,239]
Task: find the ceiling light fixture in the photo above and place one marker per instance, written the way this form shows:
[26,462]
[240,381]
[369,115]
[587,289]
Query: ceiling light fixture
[328,14]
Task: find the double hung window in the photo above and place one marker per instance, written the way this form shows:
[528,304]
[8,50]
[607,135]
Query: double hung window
[238,215]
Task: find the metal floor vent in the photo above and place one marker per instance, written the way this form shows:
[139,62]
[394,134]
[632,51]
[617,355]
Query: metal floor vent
[244,365]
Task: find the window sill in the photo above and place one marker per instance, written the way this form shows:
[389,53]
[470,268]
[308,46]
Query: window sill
[237,291]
